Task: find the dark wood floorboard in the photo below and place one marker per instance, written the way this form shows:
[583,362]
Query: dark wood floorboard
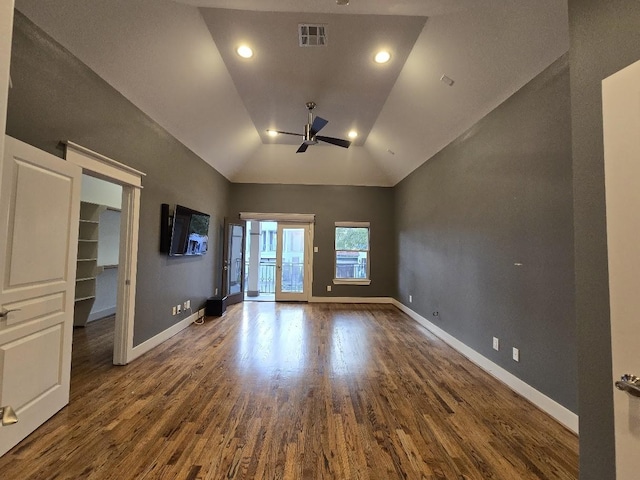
[292,391]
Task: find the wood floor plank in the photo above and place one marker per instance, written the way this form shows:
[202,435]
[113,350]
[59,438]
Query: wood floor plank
[292,391]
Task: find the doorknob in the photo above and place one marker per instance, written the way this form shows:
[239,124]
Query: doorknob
[630,384]
[4,313]
[9,416]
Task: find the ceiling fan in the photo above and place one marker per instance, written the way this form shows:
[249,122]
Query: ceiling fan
[311,129]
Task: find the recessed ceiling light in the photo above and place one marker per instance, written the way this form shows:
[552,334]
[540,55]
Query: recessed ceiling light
[272,133]
[244,51]
[352,134]
[382,56]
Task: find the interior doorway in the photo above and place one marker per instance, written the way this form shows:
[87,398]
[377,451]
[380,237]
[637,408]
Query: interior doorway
[130,179]
[96,295]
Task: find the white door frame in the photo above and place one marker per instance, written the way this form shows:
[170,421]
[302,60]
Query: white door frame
[292,218]
[307,271]
[131,181]
[6,34]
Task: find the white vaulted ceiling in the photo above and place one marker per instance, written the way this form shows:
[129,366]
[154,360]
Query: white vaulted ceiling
[176,61]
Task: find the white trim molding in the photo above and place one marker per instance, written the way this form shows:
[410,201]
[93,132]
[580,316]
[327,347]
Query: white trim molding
[103,167]
[95,164]
[352,281]
[279,217]
[381,300]
[553,408]
[353,224]
[153,342]
[6,30]
[105,312]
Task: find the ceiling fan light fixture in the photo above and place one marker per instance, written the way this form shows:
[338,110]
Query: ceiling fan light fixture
[352,134]
[382,56]
[244,51]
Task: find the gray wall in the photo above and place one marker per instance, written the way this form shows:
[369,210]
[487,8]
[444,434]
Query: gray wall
[497,197]
[56,97]
[605,37]
[332,204]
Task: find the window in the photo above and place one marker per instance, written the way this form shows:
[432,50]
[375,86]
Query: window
[352,253]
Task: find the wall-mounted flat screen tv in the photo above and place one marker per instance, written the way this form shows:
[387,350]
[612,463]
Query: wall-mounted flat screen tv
[189,232]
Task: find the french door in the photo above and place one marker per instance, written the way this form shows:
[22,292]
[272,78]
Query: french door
[233,268]
[293,265]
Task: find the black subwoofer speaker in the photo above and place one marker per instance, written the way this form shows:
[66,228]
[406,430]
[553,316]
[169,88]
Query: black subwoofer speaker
[216,306]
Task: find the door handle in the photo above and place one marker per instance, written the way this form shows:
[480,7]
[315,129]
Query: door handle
[4,313]
[630,384]
[8,415]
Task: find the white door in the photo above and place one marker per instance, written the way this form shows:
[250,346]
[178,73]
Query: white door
[293,281]
[39,208]
[621,120]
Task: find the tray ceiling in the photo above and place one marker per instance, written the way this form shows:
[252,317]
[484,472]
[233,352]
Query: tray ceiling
[176,61]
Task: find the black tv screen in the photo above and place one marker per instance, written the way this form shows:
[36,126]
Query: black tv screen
[189,233]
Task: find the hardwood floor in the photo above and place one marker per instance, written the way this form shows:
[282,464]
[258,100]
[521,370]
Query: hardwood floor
[292,391]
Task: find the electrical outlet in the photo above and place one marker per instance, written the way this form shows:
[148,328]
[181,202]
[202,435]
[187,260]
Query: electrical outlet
[516,354]
[328,288]
[173,311]
[315,249]
[179,308]
[410,298]
[496,343]
[186,304]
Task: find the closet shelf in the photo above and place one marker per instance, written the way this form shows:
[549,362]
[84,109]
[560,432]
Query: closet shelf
[87,265]
[82,299]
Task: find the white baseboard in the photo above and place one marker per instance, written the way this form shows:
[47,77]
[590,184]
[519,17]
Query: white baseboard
[153,342]
[105,312]
[351,300]
[553,408]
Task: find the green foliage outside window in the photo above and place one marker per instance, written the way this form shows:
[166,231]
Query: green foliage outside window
[352,238]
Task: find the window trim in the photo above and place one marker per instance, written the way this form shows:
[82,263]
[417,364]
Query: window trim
[352,281]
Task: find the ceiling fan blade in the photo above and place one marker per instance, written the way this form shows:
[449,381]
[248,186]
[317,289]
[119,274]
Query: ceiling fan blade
[334,141]
[288,133]
[317,125]
[302,148]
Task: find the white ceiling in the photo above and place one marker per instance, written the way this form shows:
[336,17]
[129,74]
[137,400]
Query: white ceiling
[175,60]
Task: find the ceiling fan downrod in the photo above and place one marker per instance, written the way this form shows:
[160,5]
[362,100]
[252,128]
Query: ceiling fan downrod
[308,136]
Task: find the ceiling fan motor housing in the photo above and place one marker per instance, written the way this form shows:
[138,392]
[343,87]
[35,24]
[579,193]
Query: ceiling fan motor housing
[308,138]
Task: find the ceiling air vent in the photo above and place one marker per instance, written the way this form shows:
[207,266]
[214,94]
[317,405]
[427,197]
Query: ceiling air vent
[312,35]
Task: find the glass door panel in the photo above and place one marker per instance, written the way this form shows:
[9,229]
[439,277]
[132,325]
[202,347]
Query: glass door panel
[233,281]
[292,263]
